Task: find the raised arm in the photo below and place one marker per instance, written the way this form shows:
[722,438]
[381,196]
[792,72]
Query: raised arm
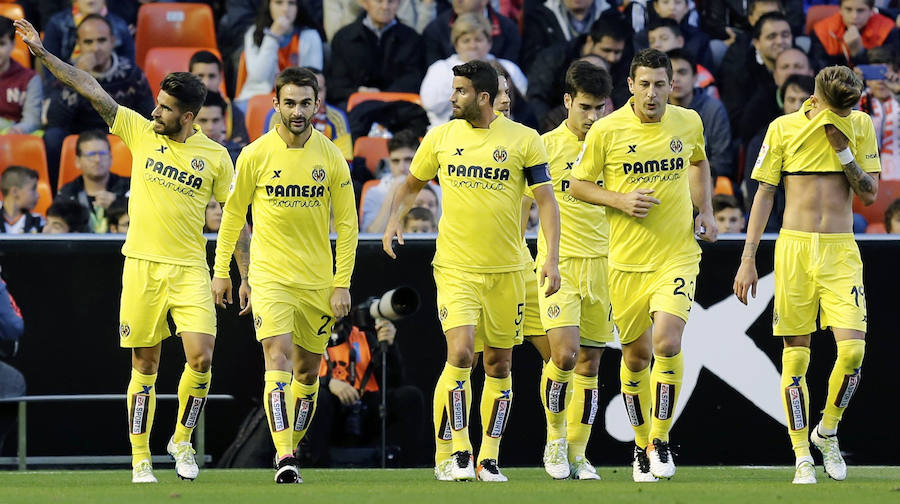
[864,185]
[79,80]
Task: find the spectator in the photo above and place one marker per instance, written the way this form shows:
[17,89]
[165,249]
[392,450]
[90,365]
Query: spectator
[892,217]
[504,32]
[413,13]
[419,220]
[716,131]
[66,216]
[376,53]
[696,43]
[741,55]
[329,120]
[208,67]
[728,19]
[665,35]
[845,37]
[729,216]
[376,206]
[118,218]
[350,396]
[429,199]
[557,21]
[71,113]
[18,185]
[61,34]
[212,122]
[879,101]
[471,36]
[20,88]
[96,189]
[213,217]
[284,35]
[509,101]
[558,114]
[12,383]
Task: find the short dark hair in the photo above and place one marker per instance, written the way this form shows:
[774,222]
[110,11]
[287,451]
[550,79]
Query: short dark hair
[804,82]
[96,17]
[587,78]
[651,58]
[7,29]
[669,23]
[187,88]
[300,77]
[751,5]
[724,201]
[483,77]
[87,136]
[419,213]
[870,3]
[205,57]
[608,28]
[214,99]
[765,18]
[116,211]
[681,54]
[314,70]
[75,215]
[889,213]
[882,55]
[16,176]
[403,139]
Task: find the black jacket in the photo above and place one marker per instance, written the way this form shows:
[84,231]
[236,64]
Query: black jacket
[74,191]
[359,58]
[505,41]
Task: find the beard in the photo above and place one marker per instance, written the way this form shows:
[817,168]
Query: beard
[469,112]
[166,129]
[286,121]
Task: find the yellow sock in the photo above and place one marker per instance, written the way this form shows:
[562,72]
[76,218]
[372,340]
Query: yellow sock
[665,385]
[192,390]
[443,434]
[454,389]
[555,385]
[278,400]
[638,403]
[304,408]
[843,382]
[141,400]
[581,414]
[794,362]
[496,401]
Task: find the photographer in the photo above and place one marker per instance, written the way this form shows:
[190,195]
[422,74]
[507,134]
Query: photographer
[12,383]
[347,412]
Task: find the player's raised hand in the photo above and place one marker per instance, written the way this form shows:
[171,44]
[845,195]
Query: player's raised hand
[340,302]
[550,276]
[30,36]
[836,138]
[705,226]
[394,228]
[244,297]
[745,280]
[637,203]
[221,291]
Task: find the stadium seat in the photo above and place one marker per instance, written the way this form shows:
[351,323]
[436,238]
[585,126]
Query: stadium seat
[20,51]
[121,159]
[173,25]
[28,151]
[257,110]
[161,61]
[357,98]
[723,186]
[817,13]
[888,191]
[362,197]
[373,149]
[241,75]
[876,228]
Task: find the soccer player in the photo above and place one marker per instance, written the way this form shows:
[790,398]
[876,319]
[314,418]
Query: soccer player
[578,318]
[485,162]
[650,157]
[176,171]
[818,270]
[292,176]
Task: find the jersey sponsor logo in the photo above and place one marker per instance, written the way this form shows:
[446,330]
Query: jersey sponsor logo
[305,408]
[499,416]
[500,154]
[318,173]
[140,403]
[159,172]
[555,396]
[665,400]
[591,400]
[276,174]
[124,330]
[458,408]
[278,412]
[257,321]
[675,145]
[198,164]
[553,311]
[872,156]
[763,150]
[796,407]
[474,171]
[192,413]
[444,431]
[632,149]
[295,191]
[848,388]
[162,149]
[633,408]
[458,152]
[653,166]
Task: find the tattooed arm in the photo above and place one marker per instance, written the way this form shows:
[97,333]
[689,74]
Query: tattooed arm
[79,80]
[864,185]
[242,253]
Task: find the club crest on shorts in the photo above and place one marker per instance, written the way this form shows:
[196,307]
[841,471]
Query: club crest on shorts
[257,321]
[500,154]
[774,317]
[553,311]
[442,313]
[198,164]
[124,330]
[318,173]
[676,145]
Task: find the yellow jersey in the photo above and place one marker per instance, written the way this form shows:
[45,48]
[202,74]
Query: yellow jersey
[626,155]
[483,173]
[171,184]
[584,231]
[292,192]
[794,144]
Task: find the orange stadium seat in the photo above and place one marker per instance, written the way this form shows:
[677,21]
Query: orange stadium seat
[817,13]
[373,149]
[28,151]
[357,98]
[121,159]
[876,228]
[161,61]
[723,186]
[362,197]
[173,25]
[20,51]
[241,75]
[257,109]
[888,191]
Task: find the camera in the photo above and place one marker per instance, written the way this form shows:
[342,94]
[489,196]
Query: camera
[393,305]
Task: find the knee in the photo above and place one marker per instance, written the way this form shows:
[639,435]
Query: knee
[637,359]
[306,377]
[145,365]
[566,358]
[497,368]
[200,363]
[852,351]
[667,344]
[461,356]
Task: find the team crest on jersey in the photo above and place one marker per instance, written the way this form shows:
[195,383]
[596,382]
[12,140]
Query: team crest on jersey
[257,322]
[198,164]
[442,313]
[500,154]
[676,145]
[124,330]
[318,173]
[553,311]
[774,317]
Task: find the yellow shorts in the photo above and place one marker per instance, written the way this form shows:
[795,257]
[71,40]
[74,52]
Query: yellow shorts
[494,301]
[304,313]
[582,301]
[636,295]
[817,274]
[531,318]
[151,290]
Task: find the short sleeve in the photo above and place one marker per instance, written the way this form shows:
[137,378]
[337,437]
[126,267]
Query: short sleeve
[769,162]
[127,125]
[535,162]
[589,164]
[697,141]
[425,164]
[222,184]
[866,151]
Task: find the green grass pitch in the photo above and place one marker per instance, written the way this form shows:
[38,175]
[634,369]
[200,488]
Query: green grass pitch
[361,486]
